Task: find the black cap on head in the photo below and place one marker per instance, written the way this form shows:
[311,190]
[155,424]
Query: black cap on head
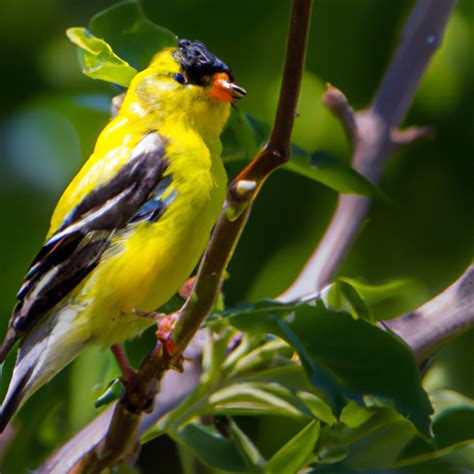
[198,61]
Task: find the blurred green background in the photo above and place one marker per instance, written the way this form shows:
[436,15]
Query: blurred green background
[51,115]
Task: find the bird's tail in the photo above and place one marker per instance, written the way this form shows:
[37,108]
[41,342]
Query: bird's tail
[51,346]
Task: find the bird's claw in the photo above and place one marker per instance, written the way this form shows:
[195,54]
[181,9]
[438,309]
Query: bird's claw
[165,324]
[163,334]
[128,372]
[149,314]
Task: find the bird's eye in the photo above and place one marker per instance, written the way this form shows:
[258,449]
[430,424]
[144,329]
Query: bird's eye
[180,79]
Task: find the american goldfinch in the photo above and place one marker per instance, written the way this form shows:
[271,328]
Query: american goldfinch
[133,223]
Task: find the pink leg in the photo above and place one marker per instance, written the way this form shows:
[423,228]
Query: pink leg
[123,362]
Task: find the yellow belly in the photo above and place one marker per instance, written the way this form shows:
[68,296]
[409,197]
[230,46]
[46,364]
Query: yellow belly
[145,267]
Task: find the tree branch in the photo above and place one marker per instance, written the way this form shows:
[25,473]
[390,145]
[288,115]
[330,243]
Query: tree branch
[174,389]
[447,315]
[375,136]
[140,391]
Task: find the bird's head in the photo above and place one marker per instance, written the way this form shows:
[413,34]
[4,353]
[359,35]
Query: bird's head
[186,83]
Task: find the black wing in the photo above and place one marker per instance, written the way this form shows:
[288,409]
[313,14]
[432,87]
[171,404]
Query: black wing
[75,249]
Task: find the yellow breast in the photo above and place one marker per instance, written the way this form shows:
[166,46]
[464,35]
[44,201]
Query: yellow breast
[148,263]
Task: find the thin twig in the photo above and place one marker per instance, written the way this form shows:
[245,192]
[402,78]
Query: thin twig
[141,390]
[375,136]
[338,104]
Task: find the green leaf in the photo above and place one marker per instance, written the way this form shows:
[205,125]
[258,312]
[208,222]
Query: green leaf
[337,440]
[342,296]
[389,299]
[335,174]
[453,423]
[132,35]
[247,449]
[453,426]
[344,357]
[261,356]
[293,455]
[320,410]
[292,379]
[211,447]
[187,460]
[97,59]
[354,415]
[382,447]
[245,344]
[350,436]
[372,444]
[246,398]
[458,458]
[214,353]
[287,385]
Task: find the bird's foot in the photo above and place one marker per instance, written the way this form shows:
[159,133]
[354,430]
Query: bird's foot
[163,333]
[165,324]
[148,314]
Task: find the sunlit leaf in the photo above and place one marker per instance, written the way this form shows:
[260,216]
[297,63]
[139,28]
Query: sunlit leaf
[341,296]
[293,455]
[319,408]
[214,353]
[261,356]
[389,299]
[120,41]
[354,415]
[283,391]
[97,59]
[253,398]
[133,36]
[247,449]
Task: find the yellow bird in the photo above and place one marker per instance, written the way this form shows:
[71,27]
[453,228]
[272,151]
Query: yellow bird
[132,224]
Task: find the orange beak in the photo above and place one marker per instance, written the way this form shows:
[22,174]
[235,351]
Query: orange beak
[224,89]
